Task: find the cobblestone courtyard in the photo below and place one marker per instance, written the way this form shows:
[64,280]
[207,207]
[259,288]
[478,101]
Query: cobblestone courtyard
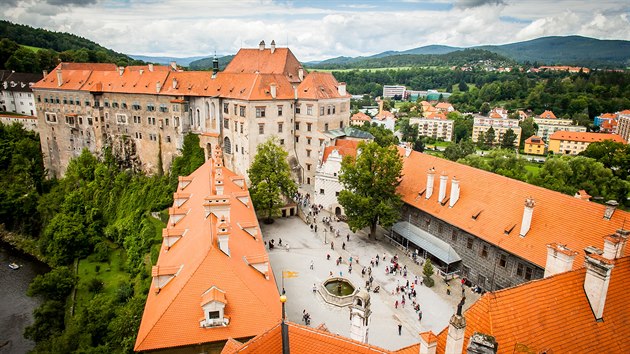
[306,246]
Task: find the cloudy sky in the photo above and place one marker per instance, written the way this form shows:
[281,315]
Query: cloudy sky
[317,29]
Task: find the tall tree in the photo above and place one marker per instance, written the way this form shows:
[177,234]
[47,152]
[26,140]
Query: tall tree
[369,196]
[507,142]
[460,150]
[271,179]
[528,128]
[490,136]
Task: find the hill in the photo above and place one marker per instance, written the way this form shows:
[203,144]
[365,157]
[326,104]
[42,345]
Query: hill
[569,50]
[185,61]
[206,63]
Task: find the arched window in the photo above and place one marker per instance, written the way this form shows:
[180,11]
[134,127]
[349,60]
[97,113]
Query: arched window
[227,146]
[198,118]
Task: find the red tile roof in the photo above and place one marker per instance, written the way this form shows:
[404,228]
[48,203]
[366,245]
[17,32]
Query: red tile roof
[548,115]
[500,201]
[553,315]
[172,316]
[361,116]
[438,116]
[344,146]
[443,105]
[585,137]
[382,115]
[318,85]
[534,140]
[281,61]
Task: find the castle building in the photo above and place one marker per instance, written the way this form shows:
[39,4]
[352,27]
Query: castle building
[143,113]
[15,92]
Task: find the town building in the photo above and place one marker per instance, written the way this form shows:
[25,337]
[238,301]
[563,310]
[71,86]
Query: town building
[15,92]
[391,91]
[212,280]
[499,124]
[359,119]
[385,119]
[548,124]
[623,127]
[28,122]
[534,145]
[143,113]
[492,230]
[327,185]
[604,117]
[445,107]
[568,143]
[435,125]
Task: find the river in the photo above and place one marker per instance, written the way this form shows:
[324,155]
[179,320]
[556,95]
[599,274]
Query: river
[16,308]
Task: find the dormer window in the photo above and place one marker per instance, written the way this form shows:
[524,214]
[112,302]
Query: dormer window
[213,303]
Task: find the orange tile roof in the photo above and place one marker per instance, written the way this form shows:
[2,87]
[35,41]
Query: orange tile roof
[548,115]
[361,116]
[552,315]
[318,85]
[585,137]
[534,140]
[171,317]
[500,201]
[253,60]
[438,116]
[382,115]
[625,111]
[18,117]
[303,339]
[443,105]
[608,116]
[344,146]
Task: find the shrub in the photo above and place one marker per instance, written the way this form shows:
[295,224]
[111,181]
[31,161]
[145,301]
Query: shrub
[95,285]
[428,273]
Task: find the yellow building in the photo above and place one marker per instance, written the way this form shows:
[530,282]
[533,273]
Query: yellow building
[534,145]
[572,143]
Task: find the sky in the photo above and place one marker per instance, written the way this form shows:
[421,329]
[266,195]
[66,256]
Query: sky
[318,29]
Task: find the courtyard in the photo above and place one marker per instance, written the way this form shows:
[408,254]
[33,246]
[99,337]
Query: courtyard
[306,246]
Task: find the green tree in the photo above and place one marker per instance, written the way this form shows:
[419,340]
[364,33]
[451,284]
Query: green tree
[369,196]
[23,60]
[462,86]
[418,144]
[55,285]
[485,108]
[457,151]
[382,136]
[192,157]
[270,176]
[528,129]
[490,136]
[613,155]
[427,271]
[507,142]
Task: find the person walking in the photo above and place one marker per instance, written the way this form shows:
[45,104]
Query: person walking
[343,245]
[311,264]
[348,237]
[448,290]
[332,245]
[419,315]
[396,304]
[400,329]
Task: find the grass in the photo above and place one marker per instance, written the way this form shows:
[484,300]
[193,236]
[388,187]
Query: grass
[364,69]
[111,273]
[155,249]
[35,49]
[533,168]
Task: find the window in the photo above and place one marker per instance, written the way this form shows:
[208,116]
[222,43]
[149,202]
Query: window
[281,141]
[308,167]
[124,105]
[65,100]
[528,273]
[176,108]
[469,243]
[70,120]
[321,110]
[341,125]
[168,138]
[226,108]
[454,235]
[329,111]
[503,260]
[106,102]
[484,251]
[279,127]
[166,122]
[163,108]
[236,148]
[89,120]
[308,141]
[242,111]
[336,194]
[297,109]
[279,111]
[297,139]
[226,123]
[242,127]
[321,191]
[440,228]
[308,153]
[309,127]
[51,117]
[150,107]
[227,146]
[235,109]
[309,110]
[326,127]
[297,126]
[136,106]
[121,118]
[39,98]
[519,270]
[261,128]
[235,126]
[115,104]
[260,112]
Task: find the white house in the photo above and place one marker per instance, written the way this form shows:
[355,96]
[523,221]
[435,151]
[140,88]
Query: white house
[327,185]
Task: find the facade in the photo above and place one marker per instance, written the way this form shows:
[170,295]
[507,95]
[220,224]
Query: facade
[623,126]
[212,280]
[549,124]
[499,124]
[143,113]
[534,145]
[385,119]
[359,119]
[434,125]
[445,107]
[28,122]
[567,143]
[390,91]
[327,185]
[15,92]
[499,227]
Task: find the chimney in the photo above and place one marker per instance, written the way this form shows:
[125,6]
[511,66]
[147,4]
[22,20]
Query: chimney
[301,73]
[611,205]
[218,180]
[380,104]
[295,93]
[559,259]
[121,70]
[342,89]
[454,192]
[45,72]
[261,45]
[527,216]
[273,46]
[174,83]
[151,67]
[596,282]
[174,65]
[141,71]
[428,343]
[158,86]
[59,78]
[455,336]
[272,89]
[223,236]
[614,245]
[482,344]
[215,66]
[442,192]
[430,179]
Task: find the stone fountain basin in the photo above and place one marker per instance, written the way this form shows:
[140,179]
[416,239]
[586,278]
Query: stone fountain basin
[329,290]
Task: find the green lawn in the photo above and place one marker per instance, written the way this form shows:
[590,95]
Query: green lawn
[35,49]
[110,273]
[533,168]
[363,69]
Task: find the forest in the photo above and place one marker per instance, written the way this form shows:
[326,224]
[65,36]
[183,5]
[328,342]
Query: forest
[97,229]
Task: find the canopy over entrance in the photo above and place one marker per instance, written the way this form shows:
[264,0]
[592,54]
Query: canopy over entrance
[433,245]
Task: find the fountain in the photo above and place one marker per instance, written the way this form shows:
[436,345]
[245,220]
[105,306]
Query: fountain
[337,291]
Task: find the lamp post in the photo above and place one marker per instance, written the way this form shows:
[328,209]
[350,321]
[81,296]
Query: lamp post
[285,328]
[325,241]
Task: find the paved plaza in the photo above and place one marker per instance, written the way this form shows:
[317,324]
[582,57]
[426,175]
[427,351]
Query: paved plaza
[306,246]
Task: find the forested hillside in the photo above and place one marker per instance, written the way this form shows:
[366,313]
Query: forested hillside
[49,48]
[206,63]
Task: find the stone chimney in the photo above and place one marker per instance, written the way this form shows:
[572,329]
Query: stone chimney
[158,86]
[430,179]
[428,343]
[614,245]
[455,336]
[454,192]
[273,46]
[295,93]
[151,67]
[380,104]
[482,344]
[45,72]
[442,191]
[559,259]
[611,206]
[59,78]
[121,70]
[273,90]
[342,89]
[596,281]
[223,236]
[174,83]
[527,216]
[301,73]
[174,65]
[141,71]
[261,45]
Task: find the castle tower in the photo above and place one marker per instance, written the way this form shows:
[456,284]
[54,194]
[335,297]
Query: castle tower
[359,316]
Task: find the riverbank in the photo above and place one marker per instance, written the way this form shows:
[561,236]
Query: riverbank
[24,244]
